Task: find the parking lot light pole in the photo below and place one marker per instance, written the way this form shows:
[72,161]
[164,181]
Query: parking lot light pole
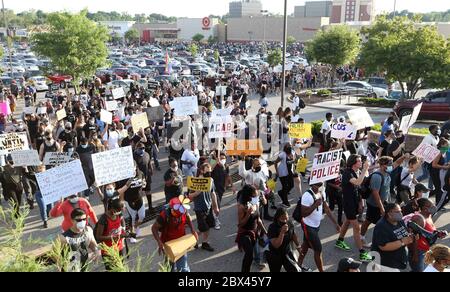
[283,79]
[6,37]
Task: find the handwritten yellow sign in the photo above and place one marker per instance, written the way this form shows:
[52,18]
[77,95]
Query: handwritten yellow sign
[299,131]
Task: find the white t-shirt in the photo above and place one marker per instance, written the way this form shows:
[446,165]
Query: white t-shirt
[408,181]
[326,127]
[431,269]
[282,166]
[431,140]
[190,156]
[314,219]
[113,139]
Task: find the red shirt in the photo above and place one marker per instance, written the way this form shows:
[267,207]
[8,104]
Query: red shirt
[113,227]
[173,228]
[422,244]
[65,209]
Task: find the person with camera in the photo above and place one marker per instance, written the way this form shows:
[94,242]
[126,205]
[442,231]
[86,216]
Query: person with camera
[424,219]
[391,238]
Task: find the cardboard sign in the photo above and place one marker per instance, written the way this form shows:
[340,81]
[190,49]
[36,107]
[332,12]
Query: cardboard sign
[41,111]
[155,114]
[221,90]
[415,115]
[61,182]
[26,158]
[427,152]
[221,127]
[343,131]
[106,117]
[301,165]
[300,131]
[326,166]
[4,108]
[118,93]
[139,121]
[114,165]
[360,118]
[29,110]
[56,158]
[185,106]
[199,184]
[111,105]
[176,249]
[404,124]
[153,102]
[13,142]
[221,112]
[236,147]
[61,114]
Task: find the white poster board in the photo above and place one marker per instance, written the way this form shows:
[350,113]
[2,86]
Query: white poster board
[13,142]
[404,124]
[139,121]
[360,118]
[153,102]
[41,111]
[114,165]
[415,115]
[326,166]
[221,90]
[61,182]
[427,152]
[56,158]
[221,112]
[118,93]
[185,106]
[26,158]
[61,114]
[111,105]
[343,131]
[221,127]
[29,110]
[106,117]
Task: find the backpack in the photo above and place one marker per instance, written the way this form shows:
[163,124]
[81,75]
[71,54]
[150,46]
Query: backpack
[365,190]
[302,103]
[297,215]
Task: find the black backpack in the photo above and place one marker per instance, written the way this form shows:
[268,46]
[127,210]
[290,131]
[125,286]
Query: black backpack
[297,215]
[302,103]
[365,190]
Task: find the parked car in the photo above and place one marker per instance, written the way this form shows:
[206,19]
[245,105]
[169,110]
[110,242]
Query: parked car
[378,82]
[122,72]
[40,83]
[363,88]
[62,80]
[125,84]
[436,106]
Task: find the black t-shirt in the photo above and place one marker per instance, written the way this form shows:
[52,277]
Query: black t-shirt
[274,232]
[127,141]
[219,175]
[68,137]
[132,195]
[89,130]
[349,191]
[173,191]
[393,147]
[385,233]
[33,128]
[385,145]
[40,138]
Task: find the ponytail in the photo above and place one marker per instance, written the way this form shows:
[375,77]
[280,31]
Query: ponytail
[437,253]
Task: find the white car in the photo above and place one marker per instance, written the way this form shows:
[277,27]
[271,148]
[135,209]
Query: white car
[39,82]
[125,83]
[362,87]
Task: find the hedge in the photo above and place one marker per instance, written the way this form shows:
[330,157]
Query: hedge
[378,102]
[423,131]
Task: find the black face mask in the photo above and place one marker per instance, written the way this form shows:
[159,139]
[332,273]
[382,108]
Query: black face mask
[257,169]
[207,174]
[401,139]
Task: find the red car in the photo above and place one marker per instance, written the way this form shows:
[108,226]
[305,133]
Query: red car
[62,80]
[436,106]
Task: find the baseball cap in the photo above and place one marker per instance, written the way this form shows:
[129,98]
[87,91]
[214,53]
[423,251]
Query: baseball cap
[421,188]
[347,264]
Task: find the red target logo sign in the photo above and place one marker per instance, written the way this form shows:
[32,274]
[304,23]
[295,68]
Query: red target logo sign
[206,22]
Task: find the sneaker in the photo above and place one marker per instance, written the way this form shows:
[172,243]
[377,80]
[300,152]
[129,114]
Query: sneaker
[217,225]
[207,247]
[196,246]
[342,245]
[365,257]
[133,240]
[45,225]
[285,206]
[305,269]
[366,244]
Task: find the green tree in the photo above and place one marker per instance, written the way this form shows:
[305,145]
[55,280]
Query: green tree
[336,46]
[74,44]
[291,40]
[216,55]
[275,57]
[132,36]
[116,38]
[406,52]
[212,40]
[193,49]
[198,37]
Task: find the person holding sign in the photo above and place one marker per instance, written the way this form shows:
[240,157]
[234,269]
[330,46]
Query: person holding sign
[205,206]
[285,171]
[48,146]
[433,140]
[189,160]
[439,174]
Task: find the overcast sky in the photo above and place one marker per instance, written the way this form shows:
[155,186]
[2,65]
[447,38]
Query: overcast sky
[198,8]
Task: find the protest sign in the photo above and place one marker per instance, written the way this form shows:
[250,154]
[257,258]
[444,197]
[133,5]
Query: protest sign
[326,166]
[198,184]
[4,108]
[404,124]
[29,110]
[236,147]
[118,93]
[415,115]
[301,165]
[360,118]
[185,106]
[343,131]
[56,158]
[427,152]
[153,102]
[139,121]
[61,182]
[297,130]
[221,127]
[221,90]
[41,111]
[111,105]
[179,126]
[13,142]
[221,112]
[106,117]
[155,114]
[114,165]
[26,158]
[61,114]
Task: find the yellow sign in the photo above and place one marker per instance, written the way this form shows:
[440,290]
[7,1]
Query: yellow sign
[177,248]
[139,121]
[244,147]
[199,184]
[301,165]
[299,131]
[61,114]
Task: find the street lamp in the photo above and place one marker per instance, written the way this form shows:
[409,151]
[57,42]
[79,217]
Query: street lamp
[6,37]
[395,7]
[283,79]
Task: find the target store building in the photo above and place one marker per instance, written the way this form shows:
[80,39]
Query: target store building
[188,27]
